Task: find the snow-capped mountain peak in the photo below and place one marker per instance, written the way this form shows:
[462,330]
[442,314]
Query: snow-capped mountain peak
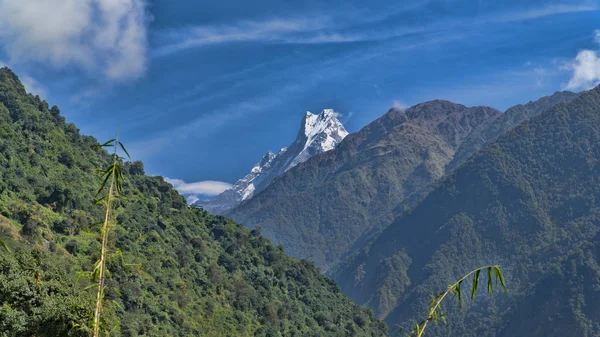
[318,133]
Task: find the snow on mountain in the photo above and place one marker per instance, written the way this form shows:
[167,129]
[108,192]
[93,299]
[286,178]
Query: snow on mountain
[318,133]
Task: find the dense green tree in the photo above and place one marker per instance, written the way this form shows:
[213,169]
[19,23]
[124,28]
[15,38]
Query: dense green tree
[200,275]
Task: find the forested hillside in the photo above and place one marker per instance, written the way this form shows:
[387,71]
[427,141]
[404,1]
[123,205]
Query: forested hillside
[528,202]
[330,204]
[199,274]
[506,122]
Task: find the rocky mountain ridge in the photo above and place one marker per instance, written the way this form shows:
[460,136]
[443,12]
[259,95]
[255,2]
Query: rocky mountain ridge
[318,133]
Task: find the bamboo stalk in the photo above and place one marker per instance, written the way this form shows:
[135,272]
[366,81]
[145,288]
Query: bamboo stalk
[102,263]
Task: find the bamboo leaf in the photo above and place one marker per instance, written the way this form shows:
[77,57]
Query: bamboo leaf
[102,185]
[117,304]
[120,254]
[489,284]
[475,283]
[458,293]
[500,276]
[97,265]
[132,265]
[118,292]
[83,274]
[124,150]
[108,143]
[117,324]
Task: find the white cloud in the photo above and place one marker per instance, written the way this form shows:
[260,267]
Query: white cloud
[207,187]
[399,105]
[191,199]
[107,36]
[586,71]
[34,87]
[585,68]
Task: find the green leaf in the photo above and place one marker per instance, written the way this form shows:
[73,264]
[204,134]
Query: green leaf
[108,143]
[490,286]
[124,150]
[117,304]
[82,274]
[90,286]
[116,290]
[475,283]
[106,176]
[458,293]
[500,276]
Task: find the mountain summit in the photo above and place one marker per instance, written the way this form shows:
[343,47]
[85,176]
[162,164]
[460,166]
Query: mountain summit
[322,208]
[318,133]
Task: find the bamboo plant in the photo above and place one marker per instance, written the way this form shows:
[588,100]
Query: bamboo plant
[435,310]
[112,178]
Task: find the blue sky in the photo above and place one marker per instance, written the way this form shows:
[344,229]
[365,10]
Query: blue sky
[203,89]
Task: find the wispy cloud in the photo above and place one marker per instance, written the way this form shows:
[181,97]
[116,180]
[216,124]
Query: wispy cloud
[106,37]
[549,10]
[337,29]
[207,187]
[209,123]
[203,126]
[398,105]
[597,36]
[344,117]
[273,30]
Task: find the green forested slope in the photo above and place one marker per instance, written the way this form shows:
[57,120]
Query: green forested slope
[331,203]
[506,122]
[529,202]
[200,275]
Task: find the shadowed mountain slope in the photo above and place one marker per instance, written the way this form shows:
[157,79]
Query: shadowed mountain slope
[529,202]
[323,207]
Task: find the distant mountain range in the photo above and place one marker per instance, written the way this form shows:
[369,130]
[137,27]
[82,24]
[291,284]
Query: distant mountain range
[333,203]
[418,197]
[528,201]
[318,134]
[327,205]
